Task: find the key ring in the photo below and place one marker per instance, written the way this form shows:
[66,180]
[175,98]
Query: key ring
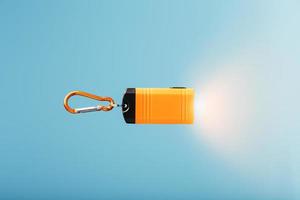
[88,109]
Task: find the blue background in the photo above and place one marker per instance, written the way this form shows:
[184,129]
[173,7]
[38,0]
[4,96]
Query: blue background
[48,48]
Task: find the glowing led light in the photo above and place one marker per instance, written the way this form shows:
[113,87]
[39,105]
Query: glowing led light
[223,109]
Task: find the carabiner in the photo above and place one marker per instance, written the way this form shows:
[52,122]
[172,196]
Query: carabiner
[88,109]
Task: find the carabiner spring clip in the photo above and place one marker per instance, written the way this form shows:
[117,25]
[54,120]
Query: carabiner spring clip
[88,109]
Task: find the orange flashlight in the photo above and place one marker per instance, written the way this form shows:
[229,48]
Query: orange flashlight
[173,105]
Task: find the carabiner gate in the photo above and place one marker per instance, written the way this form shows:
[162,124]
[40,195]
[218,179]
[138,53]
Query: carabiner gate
[88,109]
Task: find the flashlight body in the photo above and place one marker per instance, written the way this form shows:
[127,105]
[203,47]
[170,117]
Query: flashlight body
[158,105]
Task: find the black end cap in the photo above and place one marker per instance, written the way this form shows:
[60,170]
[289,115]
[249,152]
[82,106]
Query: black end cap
[128,106]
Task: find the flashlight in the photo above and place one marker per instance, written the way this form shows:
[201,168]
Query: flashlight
[173,105]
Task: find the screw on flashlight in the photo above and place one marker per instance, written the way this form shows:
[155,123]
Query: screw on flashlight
[146,105]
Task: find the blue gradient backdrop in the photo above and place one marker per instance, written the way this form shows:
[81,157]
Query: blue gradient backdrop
[48,48]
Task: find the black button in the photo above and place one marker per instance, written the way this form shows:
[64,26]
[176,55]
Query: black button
[177,87]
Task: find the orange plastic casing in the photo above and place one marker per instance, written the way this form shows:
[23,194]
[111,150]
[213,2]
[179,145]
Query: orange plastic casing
[164,105]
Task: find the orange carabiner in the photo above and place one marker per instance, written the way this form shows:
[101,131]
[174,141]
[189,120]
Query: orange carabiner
[88,109]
